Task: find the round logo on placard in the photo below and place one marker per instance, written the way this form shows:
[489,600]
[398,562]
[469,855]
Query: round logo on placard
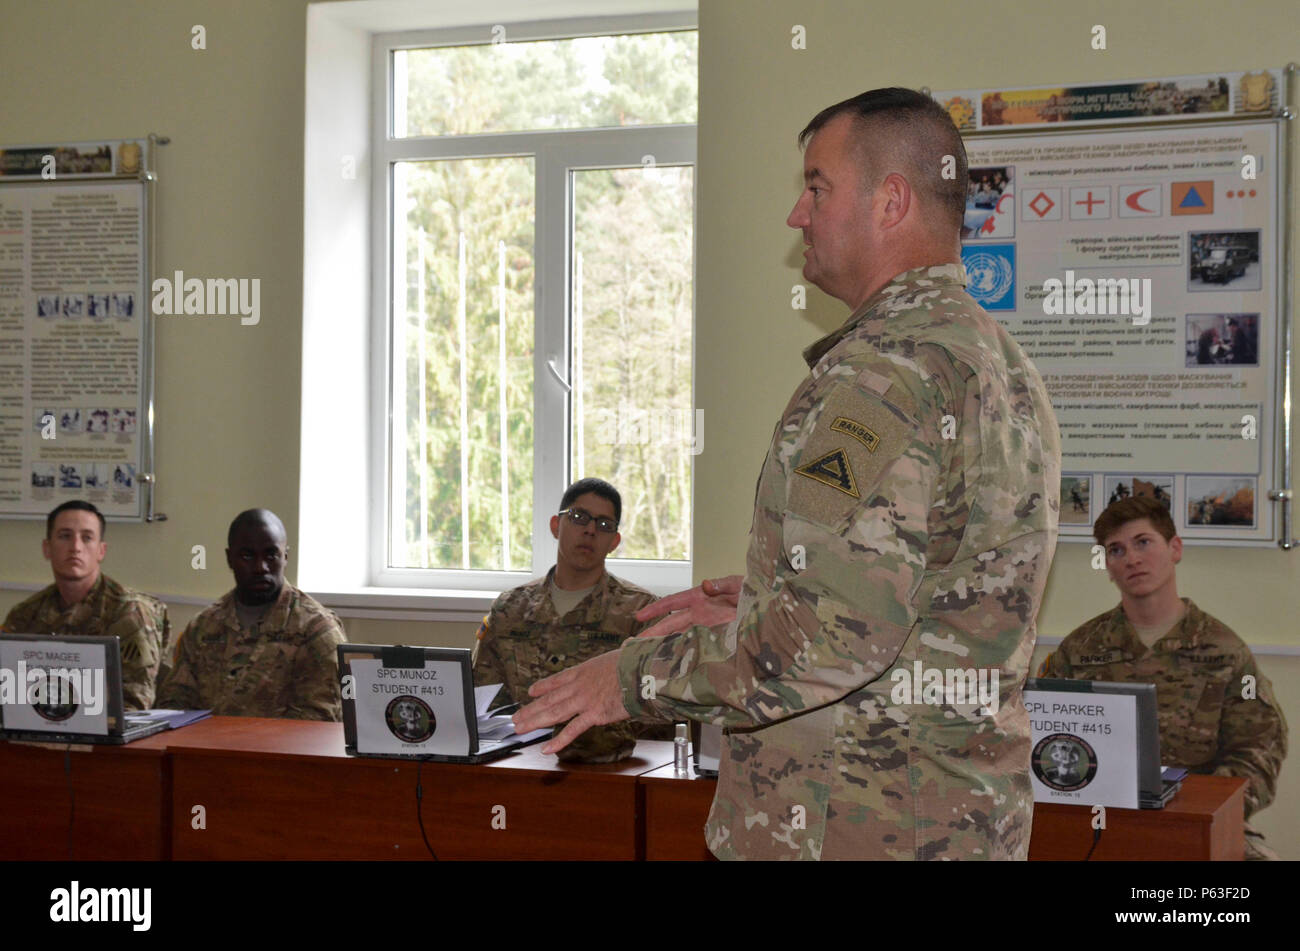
[60,700]
[1064,762]
[410,719]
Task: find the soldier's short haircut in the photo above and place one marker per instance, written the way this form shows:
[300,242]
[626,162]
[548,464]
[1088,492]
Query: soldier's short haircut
[598,486]
[74,505]
[252,517]
[901,130]
[1120,513]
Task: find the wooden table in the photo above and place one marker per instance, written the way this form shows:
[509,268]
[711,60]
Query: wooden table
[676,808]
[85,802]
[1202,823]
[284,789]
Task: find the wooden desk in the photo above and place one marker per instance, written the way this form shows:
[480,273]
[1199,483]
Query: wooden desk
[284,789]
[1202,823]
[676,808]
[61,802]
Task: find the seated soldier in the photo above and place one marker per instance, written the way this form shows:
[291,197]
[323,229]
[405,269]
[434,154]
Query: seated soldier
[266,649]
[82,602]
[577,611]
[1217,713]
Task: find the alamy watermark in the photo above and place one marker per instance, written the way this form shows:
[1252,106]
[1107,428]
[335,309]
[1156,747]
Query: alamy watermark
[215,297]
[946,686]
[1129,296]
[53,690]
[630,425]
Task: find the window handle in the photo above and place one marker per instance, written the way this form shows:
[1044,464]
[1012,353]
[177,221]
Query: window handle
[558,378]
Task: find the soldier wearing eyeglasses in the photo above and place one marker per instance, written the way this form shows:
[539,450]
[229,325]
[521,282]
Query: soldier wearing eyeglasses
[264,650]
[579,610]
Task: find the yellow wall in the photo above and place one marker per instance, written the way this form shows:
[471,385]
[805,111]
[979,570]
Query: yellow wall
[231,205]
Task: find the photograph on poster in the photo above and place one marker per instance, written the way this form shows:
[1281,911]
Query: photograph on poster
[97,306]
[1223,260]
[97,476]
[1214,339]
[69,475]
[990,203]
[43,476]
[70,422]
[1158,487]
[97,421]
[74,306]
[1076,492]
[123,421]
[47,306]
[1221,500]
[123,306]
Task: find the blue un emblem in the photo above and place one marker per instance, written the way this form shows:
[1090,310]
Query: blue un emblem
[991,272]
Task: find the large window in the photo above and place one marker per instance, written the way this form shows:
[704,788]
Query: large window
[537,263]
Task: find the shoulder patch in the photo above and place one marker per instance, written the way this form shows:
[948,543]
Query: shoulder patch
[832,469]
[858,431]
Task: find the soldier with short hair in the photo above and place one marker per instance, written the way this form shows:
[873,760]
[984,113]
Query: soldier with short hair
[83,602]
[579,610]
[1217,713]
[906,515]
[266,649]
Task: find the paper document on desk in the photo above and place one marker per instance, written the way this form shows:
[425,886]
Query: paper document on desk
[175,719]
[492,729]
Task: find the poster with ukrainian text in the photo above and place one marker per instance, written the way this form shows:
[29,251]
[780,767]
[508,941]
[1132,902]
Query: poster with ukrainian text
[72,334]
[1139,270]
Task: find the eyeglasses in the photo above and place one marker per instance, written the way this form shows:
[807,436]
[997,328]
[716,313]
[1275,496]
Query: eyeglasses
[581,517]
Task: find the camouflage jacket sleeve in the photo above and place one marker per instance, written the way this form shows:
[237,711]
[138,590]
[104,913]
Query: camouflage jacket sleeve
[1252,736]
[142,630]
[489,668]
[837,552]
[180,689]
[316,674]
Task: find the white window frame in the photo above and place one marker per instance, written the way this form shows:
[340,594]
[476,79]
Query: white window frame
[556,154]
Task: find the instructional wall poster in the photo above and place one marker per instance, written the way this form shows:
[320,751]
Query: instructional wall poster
[72,338]
[1139,270]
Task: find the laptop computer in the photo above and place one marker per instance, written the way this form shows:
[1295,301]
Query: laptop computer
[58,689]
[1155,787]
[419,703]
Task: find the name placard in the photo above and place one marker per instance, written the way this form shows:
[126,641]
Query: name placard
[410,710]
[1084,748]
[59,689]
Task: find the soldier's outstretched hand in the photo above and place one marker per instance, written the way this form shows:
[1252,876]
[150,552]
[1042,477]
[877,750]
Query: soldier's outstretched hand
[712,603]
[589,693]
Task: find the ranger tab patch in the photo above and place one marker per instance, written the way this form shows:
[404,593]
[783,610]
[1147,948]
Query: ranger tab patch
[832,469]
[859,432]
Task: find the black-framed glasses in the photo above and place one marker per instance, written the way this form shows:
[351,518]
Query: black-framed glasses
[581,517]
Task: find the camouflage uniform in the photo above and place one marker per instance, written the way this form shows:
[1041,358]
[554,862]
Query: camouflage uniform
[906,512]
[284,666]
[522,640]
[137,620]
[1205,724]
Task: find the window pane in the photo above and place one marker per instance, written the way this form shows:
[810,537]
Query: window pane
[632,308]
[463,363]
[589,82]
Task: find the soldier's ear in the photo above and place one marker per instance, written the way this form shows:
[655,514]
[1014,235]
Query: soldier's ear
[617,538]
[1176,546]
[45,548]
[555,526]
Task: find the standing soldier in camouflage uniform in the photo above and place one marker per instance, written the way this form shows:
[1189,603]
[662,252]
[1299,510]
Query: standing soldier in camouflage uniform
[84,603]
[264,650]
[1217,712]
[905,519]
[579,610]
